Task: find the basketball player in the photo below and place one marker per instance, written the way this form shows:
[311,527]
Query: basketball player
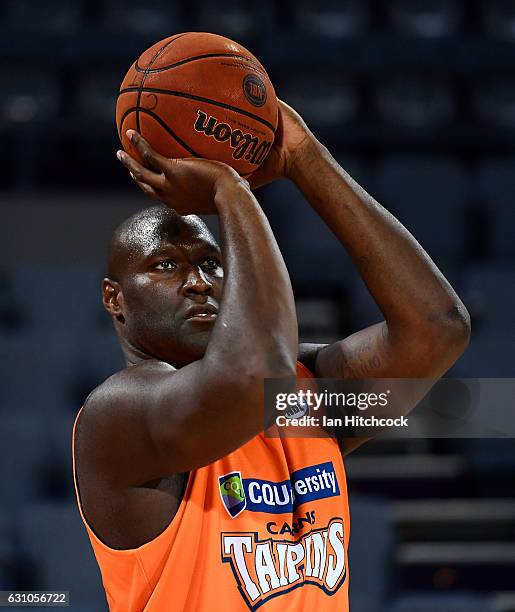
[188,505]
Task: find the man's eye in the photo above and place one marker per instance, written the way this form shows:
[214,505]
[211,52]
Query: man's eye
[211,263]
[166,264]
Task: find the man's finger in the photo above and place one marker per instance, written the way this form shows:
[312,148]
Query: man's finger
[139,172]
[147,189]
[152,159]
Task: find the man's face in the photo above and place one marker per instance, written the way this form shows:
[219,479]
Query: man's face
[171,294]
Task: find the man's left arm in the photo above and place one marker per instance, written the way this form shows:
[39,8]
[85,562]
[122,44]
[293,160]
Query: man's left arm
[426,327]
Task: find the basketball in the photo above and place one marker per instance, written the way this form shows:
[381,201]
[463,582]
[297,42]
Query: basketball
[200,95]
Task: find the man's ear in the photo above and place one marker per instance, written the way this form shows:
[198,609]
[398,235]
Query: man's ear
[112,298]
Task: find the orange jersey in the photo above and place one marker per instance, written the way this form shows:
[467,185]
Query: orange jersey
[266,527]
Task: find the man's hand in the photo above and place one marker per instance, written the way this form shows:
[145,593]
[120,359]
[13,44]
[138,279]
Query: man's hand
[186,185]
[292,141]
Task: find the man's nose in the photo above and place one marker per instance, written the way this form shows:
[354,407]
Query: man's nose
[197,282]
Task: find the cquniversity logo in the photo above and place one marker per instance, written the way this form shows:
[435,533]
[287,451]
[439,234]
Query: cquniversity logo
[308,484]
[232,493]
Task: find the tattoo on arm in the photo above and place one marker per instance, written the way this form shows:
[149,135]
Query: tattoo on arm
[365,354]
[364,368]
[363,360]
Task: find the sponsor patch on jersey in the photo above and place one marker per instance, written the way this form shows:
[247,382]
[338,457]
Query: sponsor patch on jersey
[232,493]
[305,485]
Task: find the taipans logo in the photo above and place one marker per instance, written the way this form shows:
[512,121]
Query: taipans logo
[305,485]
[232,493]
[272,567]
[254,90]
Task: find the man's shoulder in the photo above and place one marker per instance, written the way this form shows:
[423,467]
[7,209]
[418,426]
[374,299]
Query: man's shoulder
[125,386]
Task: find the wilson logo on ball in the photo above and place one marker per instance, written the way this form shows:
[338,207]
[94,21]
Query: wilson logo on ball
[245,146]
[254,90]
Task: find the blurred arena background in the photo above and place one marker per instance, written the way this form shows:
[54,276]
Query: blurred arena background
[416,99]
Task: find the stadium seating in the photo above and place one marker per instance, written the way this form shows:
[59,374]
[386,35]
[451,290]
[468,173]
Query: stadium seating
[489,291]
[371,526]
[499,19]
[431,602]
[236,18]
[59,480]
[28,96]
[428,195]
[55,16]
[97,95]
[52,373]
[333,18]
[486,565]
[68,296]
[490,458]
[488,355]
[6,550]
[24,445]
[494,99]
[398,476]
[320,321]
[426,19]
[364,310]
[53,538]
[299,228]
[454,519]
[415,102]
[503,602]
[359,170]
[496,192]
[10,315]
[330,100]
[159,18]
[40,373]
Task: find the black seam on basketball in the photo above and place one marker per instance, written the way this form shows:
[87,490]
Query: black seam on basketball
[126,114]
[199,57]
[146,71]
[195,58]
[139,68]
[168,129]
[180,94]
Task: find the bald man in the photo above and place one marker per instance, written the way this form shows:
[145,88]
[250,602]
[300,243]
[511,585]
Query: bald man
[187,503]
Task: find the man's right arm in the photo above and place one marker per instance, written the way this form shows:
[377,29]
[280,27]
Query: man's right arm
[151,420]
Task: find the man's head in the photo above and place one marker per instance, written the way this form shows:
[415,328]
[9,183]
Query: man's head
[164,284]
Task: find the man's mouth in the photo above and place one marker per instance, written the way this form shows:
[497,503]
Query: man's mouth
[201,312]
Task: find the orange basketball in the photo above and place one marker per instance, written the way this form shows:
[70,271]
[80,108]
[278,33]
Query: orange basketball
[200,95]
